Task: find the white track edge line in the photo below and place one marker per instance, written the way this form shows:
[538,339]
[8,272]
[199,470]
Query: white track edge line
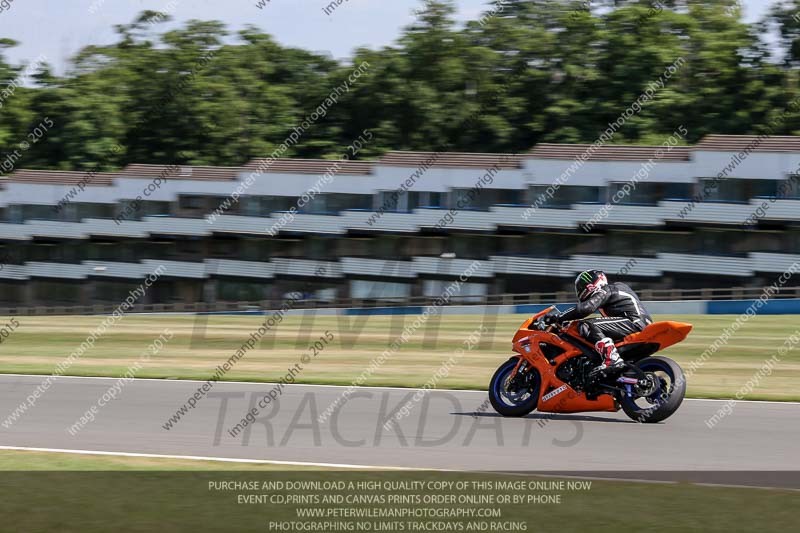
[365,467]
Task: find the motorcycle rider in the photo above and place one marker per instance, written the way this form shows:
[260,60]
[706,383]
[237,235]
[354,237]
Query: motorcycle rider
[623,314]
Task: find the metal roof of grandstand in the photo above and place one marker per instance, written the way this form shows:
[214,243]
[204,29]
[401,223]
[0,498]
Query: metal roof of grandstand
[310,166]
[62,177]
[182,172]
[756,143]
[608,152]
[452,160]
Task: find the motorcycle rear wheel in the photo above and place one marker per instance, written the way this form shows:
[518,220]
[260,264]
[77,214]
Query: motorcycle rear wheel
[514,398]
[662,403]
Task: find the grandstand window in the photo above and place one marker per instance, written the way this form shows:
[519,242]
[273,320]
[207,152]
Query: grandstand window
[426,200]
[326,295]
[389,247]
[43,252]
[337,202]
[7,255]
[238,291]
[712,241]
[153,208]
[107,291]
[472,246]
[645,243]
[365,289]
[391,201]
[791,187]
[56,292]
[354,247]
[565,196]
[277,204]
[165,291]
[676,191]
[483,199]
[466,291]
[317,248]
[315,206]
[223,248]
[38,212]
[253,206]
[14,214]
[426,245]
[191,202]
[107,251]
[736,190]
[12,293]
[790,239]
[509,244]
[129,209]
[647,193]
[91,210]
[281,248]
[508,197]
[420,200]
[260,250]
[189,248]
[158,249]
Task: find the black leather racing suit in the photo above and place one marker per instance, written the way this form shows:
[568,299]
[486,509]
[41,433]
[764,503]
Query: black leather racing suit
[623,313]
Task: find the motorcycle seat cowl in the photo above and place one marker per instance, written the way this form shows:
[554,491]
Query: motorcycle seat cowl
[663,332]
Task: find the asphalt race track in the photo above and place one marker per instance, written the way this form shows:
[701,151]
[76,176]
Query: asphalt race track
[441,430]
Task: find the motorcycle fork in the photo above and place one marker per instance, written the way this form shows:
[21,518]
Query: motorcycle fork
[521,365]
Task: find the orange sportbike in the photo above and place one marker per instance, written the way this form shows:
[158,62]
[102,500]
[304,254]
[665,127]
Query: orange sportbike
[551,372]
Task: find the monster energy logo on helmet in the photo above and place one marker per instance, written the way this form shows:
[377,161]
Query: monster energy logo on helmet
[588,281]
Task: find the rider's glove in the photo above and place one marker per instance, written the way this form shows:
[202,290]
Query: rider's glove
[553,317]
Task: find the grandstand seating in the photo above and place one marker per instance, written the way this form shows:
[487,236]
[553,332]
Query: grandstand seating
[257,229]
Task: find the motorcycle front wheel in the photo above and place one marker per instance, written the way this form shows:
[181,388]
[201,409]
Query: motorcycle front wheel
[515,396]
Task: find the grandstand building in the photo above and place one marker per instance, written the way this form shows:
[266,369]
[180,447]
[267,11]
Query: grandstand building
[721,213]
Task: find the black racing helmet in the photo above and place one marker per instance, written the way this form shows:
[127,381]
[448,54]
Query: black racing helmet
[589,281]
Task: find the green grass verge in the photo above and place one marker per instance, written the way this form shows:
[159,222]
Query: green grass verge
[199,344]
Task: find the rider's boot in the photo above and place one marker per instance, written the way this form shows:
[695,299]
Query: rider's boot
[611,359]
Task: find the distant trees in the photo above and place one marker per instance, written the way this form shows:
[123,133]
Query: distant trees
[526,71]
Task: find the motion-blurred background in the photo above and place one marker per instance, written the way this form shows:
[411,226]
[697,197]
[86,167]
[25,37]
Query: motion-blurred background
[650,139]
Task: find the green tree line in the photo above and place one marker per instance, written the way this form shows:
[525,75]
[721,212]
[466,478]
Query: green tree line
[526,71]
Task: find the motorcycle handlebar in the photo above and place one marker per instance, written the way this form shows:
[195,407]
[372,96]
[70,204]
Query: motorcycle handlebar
[555,327]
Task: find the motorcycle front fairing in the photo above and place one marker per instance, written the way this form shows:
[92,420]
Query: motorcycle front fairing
[556,396]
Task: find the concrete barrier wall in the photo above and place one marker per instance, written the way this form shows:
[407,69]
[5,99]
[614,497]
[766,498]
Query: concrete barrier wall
[691,307]
[737,307]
